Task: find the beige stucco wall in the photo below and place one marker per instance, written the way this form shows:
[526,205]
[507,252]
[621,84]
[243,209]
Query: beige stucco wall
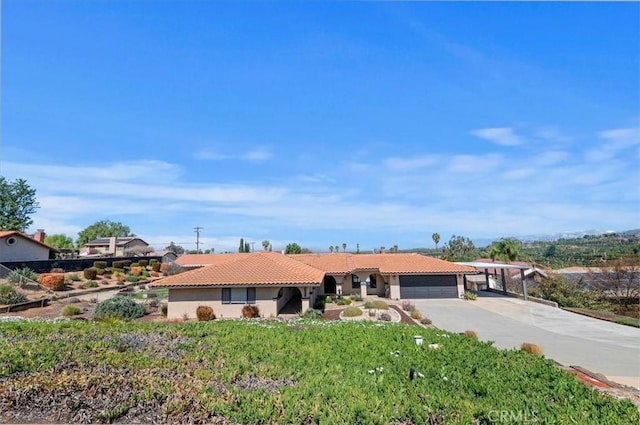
[122,250]
[394,287]
[22,250]
[460,281]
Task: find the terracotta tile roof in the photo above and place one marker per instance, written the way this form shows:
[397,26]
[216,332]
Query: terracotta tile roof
[250,269]
[401,263]
[5,233]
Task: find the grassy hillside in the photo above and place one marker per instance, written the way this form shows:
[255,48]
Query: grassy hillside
[272,372]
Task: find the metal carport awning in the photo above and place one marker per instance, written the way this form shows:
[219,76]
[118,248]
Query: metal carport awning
[479,265]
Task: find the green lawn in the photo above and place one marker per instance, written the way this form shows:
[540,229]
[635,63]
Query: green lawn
[290,373]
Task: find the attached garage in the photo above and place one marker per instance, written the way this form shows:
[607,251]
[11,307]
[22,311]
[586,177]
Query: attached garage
[428,286]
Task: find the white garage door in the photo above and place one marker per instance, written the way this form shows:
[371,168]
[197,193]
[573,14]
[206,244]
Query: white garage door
[428,286]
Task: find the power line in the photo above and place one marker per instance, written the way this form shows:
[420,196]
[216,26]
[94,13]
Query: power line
[197,230]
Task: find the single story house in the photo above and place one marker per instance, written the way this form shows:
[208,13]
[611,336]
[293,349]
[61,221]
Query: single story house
[116,246]
[277,282]
[167,256]
[17,246]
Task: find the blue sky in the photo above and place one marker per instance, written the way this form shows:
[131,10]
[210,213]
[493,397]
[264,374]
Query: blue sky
[375,123]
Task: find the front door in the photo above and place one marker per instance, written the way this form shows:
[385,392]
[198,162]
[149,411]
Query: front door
[329,285]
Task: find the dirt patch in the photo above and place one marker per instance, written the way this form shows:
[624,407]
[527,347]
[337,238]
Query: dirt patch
[404,317]
[254,383]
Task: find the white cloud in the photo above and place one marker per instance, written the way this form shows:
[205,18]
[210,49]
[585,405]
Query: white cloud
[255,155]
[550,157]
[474,163]
[499,135]
[406,164]
[615,141]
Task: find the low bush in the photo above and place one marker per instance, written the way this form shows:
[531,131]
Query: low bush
[126,263]
[319,305]
[377,304]
[408,306]
[91,284]
[164,309]
[352,311]
[132,278]
[119,308]
[145,273]
[134,264]
[117,270]
[343,301]
[470,334]
[9,295]
[468,295]
[328,300]
[90,273]
[385,317]
[356,297]
[118,264]
[154,274]
[155,267]
[204,313]
[100,272]
[136,270]
[71,310]
[172,268]
[153,261]
[312,314]
[53,281]
[425,321]
[153,302]
[19,275]
[100,264]
[143,263]
[250,311]
[531,348]
[56,270]
[415,314]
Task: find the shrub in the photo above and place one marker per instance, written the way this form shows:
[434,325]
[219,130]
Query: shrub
[71,310]
[328,300]
[154,274]
[531,348]
[73,277]
[352,311]
[100,264]
[90,273]
[385,317]
[9,295]
[425,321]
[120,279]
[471,334]
[319,305]
[311,314]
[131,278]
[134,264]
[143,263]
[117,270]
[91,284]
[100,272]
[18,275]
[356,297]
[126,263]
[408,306]
[343,301]
[250,311]
[117,264]
[153,261]
[53,281]
[163,310]
[377,304]
[56,270]
[136,270]
[172,268]
[154,303]
[155,267]
[468,295]
[119,308]
[415,314]
[145,273]
[205,313]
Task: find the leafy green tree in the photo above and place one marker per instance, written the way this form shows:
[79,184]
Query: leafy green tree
[506,249]
[103,229]
[293,248]
[266,244]
[17,204]
[176,249]
[436,239]
[459,248]
[60,241]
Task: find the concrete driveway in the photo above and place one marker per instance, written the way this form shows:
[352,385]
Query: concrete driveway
[568,338]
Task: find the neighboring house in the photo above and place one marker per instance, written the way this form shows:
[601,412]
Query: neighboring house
[278,282]
[531,271]
[167,256]
[17,246]
[116,246]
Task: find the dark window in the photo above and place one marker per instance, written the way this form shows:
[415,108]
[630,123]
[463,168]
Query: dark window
[355,282]
[238,295]
[372,281]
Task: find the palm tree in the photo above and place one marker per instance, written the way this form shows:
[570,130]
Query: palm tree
[344,247]
[331,248]
[436,239]
[505,250]
[265,244]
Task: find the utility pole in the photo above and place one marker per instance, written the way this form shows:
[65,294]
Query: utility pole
[197,230]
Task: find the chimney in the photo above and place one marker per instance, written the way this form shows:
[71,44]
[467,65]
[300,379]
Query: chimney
[112,245]
[39,235]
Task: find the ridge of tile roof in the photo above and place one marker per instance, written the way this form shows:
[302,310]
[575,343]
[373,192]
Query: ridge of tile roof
[4,233]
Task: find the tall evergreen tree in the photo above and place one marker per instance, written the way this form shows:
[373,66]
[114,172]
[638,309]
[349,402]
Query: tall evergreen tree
[241,247]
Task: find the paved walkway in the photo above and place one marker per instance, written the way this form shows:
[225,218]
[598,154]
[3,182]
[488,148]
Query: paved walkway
[568,338]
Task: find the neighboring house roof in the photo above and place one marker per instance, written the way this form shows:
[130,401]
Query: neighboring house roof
[396,263]
[249,269]
[7,233]
[120,241]
[199,260]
